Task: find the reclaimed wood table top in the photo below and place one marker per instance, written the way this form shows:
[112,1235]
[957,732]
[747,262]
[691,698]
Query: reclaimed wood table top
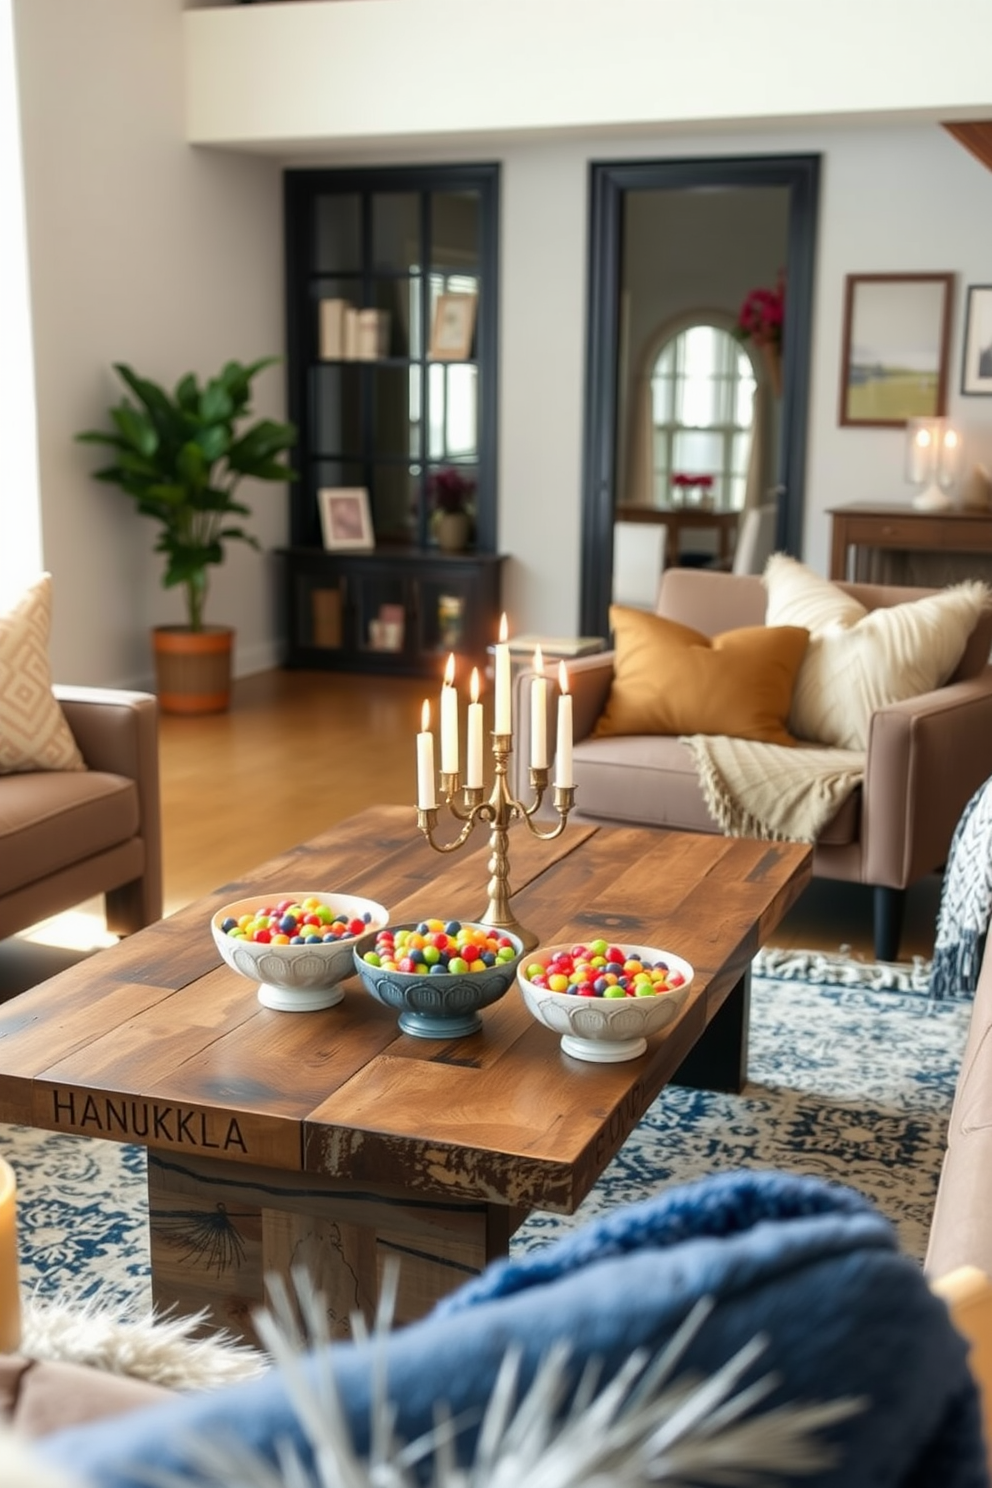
[156,1040]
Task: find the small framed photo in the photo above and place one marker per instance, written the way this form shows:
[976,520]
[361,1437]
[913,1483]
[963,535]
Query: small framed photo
[454,323]
[895,348]
[976,368]
[346,518]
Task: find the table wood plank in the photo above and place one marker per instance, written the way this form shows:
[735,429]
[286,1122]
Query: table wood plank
[216,1232]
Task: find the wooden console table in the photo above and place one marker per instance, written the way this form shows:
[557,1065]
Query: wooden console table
[679,519]
[902,528]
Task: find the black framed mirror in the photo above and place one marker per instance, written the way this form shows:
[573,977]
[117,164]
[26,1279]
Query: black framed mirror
[753,182]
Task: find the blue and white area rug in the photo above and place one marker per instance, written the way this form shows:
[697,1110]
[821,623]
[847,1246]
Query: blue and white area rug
[852,1074]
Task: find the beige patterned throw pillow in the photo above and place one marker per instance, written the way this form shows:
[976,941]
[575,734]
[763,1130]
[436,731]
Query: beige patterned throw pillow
[34,734]
[861,660]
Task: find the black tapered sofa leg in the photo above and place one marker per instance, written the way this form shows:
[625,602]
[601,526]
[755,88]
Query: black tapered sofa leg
[890,905]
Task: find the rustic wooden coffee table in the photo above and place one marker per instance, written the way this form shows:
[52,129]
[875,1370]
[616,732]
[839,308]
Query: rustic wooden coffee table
[333,1140]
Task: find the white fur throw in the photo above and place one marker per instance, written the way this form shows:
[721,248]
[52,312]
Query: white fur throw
[158,1348]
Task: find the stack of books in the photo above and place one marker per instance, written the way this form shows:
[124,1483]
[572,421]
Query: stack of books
[351,335]
[556,646]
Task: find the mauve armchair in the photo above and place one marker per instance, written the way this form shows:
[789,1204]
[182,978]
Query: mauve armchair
[925,758]
[66,836]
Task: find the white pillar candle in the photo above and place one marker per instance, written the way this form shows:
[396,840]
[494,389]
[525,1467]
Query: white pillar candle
[10,1295]
[449,721]
[563,752]
[950,451]
[539,714]
[921,455]
[502,722]
[426,799]
[473,772]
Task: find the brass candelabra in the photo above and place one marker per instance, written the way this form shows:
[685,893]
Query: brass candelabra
[499,810]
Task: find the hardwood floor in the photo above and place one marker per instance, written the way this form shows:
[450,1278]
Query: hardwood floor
[299,751]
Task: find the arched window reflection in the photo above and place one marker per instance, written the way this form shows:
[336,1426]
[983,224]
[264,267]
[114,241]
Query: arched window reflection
[702,395]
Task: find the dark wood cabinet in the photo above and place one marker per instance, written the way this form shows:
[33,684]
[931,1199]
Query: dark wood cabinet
[400,612]
[391,337]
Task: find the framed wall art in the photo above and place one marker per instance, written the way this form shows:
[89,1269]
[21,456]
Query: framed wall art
[454,323]
[976,366]
[346,518]
[895,347]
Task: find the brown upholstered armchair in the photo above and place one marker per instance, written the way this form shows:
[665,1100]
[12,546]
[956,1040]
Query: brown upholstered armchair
[66,836]
[925,757]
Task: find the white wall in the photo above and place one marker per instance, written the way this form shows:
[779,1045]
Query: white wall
[20,552]
[894,198]
[359,71]
[898,200]
[631,78]
[145,251]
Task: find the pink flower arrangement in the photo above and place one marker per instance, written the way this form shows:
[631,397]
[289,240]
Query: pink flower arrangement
[451,491]
[682,480]
[761,316]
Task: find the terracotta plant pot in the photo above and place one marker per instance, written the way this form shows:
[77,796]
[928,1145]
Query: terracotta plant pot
[193,668]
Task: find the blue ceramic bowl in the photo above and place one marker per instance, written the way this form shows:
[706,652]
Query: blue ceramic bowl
[439,1005]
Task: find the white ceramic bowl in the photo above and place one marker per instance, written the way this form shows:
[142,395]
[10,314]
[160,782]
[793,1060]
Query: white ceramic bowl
[605,1030]
[297,978]
[440,1005]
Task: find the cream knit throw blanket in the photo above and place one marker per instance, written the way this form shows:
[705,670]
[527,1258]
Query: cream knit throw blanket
[773,791]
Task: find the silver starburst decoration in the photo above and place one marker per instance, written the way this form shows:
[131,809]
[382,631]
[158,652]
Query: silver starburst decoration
[647,1425]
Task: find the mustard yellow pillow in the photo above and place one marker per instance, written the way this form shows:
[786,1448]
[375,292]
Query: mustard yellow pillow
[670,679]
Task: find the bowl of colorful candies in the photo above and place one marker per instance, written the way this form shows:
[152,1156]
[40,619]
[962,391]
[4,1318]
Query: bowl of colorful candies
[439,973]
[603,997]
[298,946]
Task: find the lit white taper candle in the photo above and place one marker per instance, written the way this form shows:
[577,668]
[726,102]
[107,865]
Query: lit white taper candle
[563,751]
[539,714]
[426,798]
[449,720]
[502,721]
[473,772]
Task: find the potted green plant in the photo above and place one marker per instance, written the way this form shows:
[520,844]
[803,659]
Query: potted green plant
[181,457]
[451,492]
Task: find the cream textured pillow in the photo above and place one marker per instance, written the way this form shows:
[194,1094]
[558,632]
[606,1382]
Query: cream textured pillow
[33,732]
[861,660]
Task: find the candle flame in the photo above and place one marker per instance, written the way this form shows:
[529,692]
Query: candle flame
[474,685]
[539,661]
[950,439]
[562,677]
[425,717]
[503,631]
[923,438]
[449,671]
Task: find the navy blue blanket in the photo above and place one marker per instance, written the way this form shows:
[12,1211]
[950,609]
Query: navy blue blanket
[810,1265]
